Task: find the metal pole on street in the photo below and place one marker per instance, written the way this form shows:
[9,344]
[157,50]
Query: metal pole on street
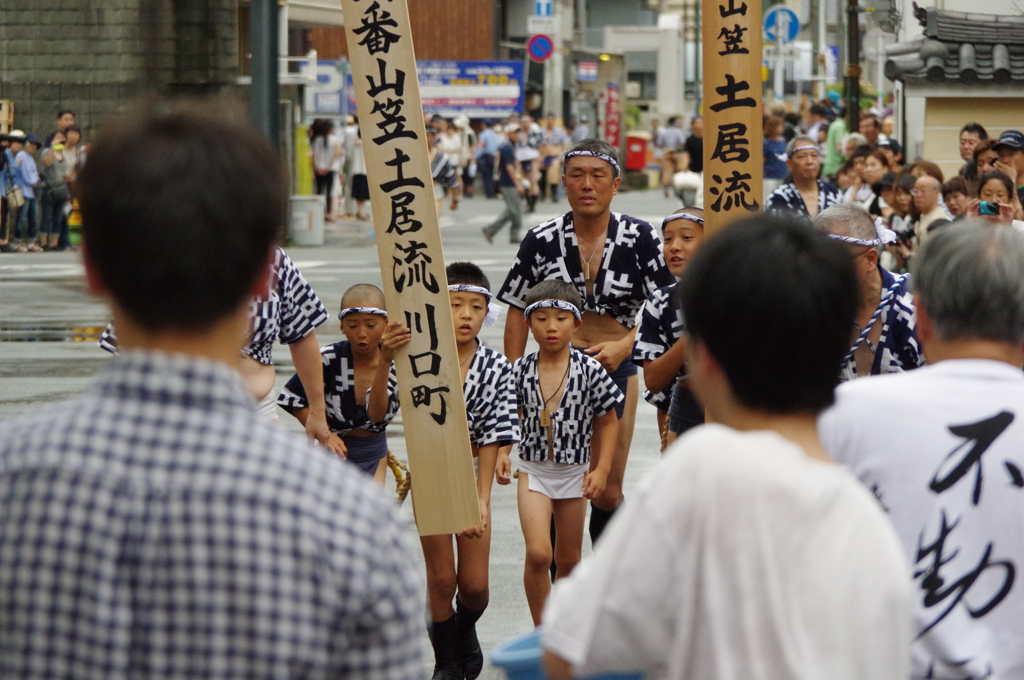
[853,69]
[264,91]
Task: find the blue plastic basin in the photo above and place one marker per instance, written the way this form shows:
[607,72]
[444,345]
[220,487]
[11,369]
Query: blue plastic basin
[520,657]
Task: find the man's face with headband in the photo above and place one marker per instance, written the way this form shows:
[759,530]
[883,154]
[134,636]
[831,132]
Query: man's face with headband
[804,162]
[590,184]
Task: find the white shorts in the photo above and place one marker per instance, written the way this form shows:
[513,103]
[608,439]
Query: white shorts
[555,480]
[267,407]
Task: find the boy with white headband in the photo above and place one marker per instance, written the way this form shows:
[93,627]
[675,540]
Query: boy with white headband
[660,347]
[359,381]
[493,429]
[566,400]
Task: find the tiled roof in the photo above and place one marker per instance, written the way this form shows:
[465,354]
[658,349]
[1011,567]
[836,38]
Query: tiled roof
[962,47]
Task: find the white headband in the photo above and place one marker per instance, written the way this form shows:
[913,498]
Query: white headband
[593,154]
[376,311]
[467,288]
[682,216]
[493,308]
[805,147]
[883,236]
[556,304]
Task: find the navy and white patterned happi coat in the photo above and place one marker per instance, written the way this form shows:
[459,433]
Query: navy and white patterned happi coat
[290,312]
[491,403]
[897,349]
[661,325]
[346,410]
[786,201]
[632,268]
[157,526]
[589,392]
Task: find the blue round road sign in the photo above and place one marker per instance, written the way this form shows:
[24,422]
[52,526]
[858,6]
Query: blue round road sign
[540,47]
[779,17]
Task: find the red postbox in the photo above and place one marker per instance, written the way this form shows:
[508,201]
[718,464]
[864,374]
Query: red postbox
[636,153]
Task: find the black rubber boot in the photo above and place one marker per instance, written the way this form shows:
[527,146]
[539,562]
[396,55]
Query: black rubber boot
[598,521]
[442,638]
[468,654]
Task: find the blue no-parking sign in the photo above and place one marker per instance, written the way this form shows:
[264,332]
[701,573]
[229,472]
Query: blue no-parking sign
[540,47]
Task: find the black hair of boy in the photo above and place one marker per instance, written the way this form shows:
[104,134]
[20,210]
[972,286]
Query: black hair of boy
[168,247]
[774,302]
[466,273]
[553,289]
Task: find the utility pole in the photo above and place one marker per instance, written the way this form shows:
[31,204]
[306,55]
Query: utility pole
[853,69]
[264,91]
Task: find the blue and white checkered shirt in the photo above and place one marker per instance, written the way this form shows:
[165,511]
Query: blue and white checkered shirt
[156,526]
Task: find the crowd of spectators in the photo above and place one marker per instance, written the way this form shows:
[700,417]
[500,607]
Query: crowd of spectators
[36,181]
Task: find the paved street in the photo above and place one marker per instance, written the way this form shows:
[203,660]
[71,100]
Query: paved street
[49,326]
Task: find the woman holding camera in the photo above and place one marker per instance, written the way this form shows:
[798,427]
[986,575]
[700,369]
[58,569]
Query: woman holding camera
[996,198]
[56,194]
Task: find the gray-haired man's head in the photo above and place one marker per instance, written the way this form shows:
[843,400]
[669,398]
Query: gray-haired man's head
[845,219]
[970,279]
[853,221]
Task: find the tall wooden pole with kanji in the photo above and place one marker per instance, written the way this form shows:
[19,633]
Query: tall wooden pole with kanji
[733,159]
[412,264]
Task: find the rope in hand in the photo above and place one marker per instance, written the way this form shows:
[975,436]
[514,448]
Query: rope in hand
[403,482]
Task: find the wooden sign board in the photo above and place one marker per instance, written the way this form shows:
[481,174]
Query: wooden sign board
[733,157]
[412,264]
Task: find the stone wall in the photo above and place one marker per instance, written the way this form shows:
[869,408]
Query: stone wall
[95,56]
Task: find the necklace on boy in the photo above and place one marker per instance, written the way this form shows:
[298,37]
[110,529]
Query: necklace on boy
[545,415]
[473,354]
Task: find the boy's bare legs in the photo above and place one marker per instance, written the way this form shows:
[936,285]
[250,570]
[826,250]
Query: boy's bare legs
[535,510]
[535,517]
[381,472]
[445,578]
[570,518]
[469,578]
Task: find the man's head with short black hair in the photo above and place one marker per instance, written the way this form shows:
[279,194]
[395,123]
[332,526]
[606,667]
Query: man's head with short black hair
[594,146]
[819,111]
[65,118]
[773,302]
[554,289]
[181,205]
[466,273]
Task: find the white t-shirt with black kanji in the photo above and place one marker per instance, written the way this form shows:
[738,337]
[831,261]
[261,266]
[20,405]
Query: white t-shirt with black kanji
[739,558]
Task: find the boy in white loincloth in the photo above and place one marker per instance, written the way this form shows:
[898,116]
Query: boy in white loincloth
[565,399]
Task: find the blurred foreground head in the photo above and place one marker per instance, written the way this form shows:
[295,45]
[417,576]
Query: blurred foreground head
[773,303]
[181,203]
[970,279]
